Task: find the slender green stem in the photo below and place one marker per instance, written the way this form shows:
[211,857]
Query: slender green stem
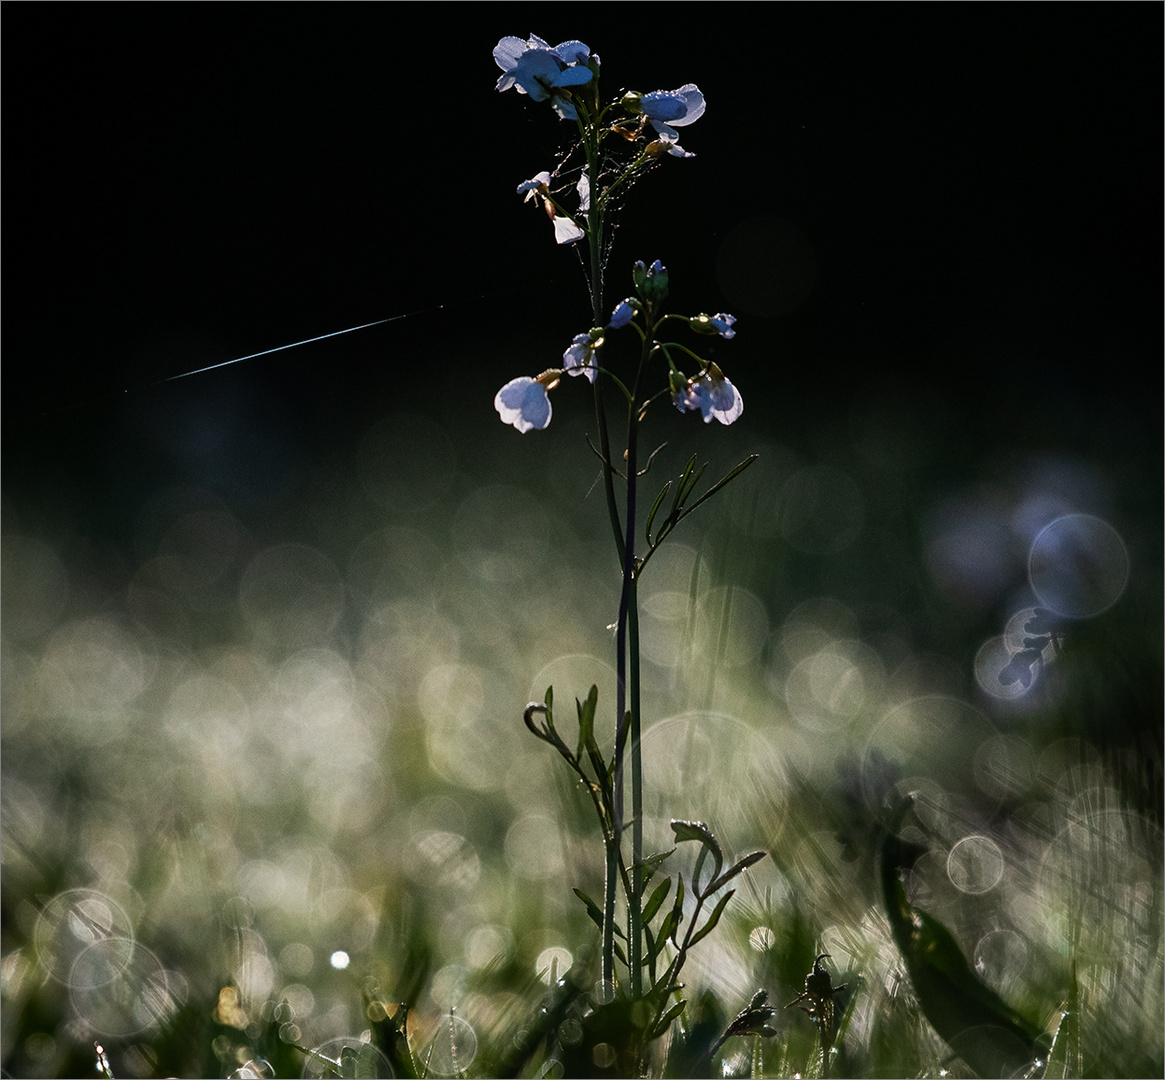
[636,928]
[622,542]
[627,660]
[626,603]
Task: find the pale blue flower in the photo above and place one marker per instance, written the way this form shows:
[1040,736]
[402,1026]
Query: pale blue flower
[542,72]
[714,324]
[670,109]
[579,359]
[538,185]
[712,395]
[724,324]
[622,315]
[524,403]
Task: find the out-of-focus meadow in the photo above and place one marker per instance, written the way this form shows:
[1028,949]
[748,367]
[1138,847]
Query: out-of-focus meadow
[234,758]
[268,633]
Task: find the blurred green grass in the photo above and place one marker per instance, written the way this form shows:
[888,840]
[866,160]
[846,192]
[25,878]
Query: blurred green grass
[252,744]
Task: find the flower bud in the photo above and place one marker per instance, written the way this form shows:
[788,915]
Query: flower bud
[630,102]
[650,281]
[714,324]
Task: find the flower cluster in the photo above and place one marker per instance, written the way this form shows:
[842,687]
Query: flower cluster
[710,394]
[558,75]
[525,401]
[545,73]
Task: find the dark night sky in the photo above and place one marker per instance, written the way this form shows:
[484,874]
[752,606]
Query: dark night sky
[972,190]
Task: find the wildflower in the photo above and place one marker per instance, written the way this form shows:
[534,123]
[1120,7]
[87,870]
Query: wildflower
[712,394]
[670,109]
[525,403]
[714,324]
[622,315]
[565,229]
[579,359]
[542,72]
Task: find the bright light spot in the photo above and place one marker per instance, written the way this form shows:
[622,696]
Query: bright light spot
[1078,566]
[995,670]
[761,938]
[552,963]
[975,864]
[604,1055]
[339,959]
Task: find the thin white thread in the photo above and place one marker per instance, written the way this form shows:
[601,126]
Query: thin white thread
[280,348]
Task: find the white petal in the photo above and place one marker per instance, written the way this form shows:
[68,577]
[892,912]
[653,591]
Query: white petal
[566,231]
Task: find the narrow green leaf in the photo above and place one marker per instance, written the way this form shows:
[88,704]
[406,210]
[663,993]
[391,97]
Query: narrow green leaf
[677,912]
[549,699]
[666,929]
[731,475]
[691,482]
[655,507]
[666,1019]
[735,869]
[661,986]
[677,500]
[586,720]
[714,918]
[592,908]
[652,863]
[656,900]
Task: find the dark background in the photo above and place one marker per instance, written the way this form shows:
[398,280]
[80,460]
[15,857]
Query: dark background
[945,216]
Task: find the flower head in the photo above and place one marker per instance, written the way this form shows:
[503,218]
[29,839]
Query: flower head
[712,395]
[714,324]
[579,359]
[542,72]
[622,315]
[670,109]
[525,403]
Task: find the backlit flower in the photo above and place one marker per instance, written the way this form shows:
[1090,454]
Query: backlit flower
[579,359]
[714,324]
[622,315]
[524,403]
[712,395]
[670,109]
[542,72]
